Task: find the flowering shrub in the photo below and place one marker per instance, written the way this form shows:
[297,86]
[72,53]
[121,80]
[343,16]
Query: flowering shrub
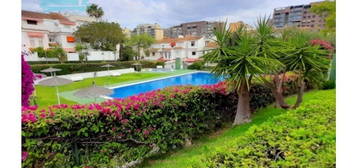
[27,82]
[118,131]
[324,44]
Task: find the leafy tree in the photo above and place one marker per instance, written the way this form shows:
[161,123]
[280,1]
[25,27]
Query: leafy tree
[94,10]
[141,41]
[329,8]
[57,52]
[100,35]
[308,61]
[127,53]
[80,48]
[237,58]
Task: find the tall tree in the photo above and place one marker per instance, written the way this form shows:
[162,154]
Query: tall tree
[327,8]
[94,10]
[100,35]
[237,59]
[141,41]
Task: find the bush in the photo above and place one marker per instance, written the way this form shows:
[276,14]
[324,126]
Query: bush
[122,130]
[69,68]
[199,65]
[304,137]
[330,84]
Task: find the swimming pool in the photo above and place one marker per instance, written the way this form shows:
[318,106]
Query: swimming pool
[197,78]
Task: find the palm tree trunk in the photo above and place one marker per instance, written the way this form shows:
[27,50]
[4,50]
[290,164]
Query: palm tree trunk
[300,93]
[243,108]
[278,91]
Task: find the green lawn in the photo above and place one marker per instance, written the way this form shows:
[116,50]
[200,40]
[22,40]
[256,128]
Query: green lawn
[187,157]
[46,96]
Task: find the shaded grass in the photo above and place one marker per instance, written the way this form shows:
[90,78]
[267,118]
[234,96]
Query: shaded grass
[46,95]
[224,138]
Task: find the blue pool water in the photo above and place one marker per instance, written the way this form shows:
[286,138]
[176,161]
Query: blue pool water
[199,78]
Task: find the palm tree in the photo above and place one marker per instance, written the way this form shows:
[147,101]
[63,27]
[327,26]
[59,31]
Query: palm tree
[94,10]
[270,45]
[238,59]
[309,62]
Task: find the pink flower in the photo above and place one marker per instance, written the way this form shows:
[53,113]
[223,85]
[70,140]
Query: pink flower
[24,155]
[28,117]
[124,121]
[146,132]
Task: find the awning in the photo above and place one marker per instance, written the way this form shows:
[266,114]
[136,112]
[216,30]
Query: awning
[71,39]
[35,34]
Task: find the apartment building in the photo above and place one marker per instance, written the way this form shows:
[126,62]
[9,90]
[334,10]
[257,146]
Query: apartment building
[186,49]
[200,28]
[46,30]
[153,30]
[236,25]
[298,16]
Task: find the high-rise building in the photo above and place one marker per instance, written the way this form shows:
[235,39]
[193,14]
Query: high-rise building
[236,25]
[153,30]
[200,28]
[298,16]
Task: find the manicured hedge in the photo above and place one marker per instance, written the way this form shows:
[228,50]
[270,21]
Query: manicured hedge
[119,131]
[304,137]
[69,68]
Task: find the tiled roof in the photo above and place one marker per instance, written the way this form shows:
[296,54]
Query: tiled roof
[211,45]
[186,38]
[40,16]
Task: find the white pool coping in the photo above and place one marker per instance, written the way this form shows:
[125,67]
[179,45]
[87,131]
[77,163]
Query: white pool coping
[135,83]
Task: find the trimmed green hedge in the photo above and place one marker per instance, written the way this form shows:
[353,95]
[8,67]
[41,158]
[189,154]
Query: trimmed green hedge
[304,137]
[69,68]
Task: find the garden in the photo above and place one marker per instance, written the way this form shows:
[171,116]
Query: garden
[276,108]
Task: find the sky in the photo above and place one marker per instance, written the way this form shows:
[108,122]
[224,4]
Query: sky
[167,13]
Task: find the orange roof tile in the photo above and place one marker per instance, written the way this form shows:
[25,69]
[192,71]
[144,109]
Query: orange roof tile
[211,45]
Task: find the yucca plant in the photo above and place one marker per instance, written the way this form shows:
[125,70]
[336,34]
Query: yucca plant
[307,61]
[238,60]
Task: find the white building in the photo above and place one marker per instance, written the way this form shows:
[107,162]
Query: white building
[186,50]
[46,30]
[51,29]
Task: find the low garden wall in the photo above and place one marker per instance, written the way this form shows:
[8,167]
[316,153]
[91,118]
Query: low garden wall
[123,131]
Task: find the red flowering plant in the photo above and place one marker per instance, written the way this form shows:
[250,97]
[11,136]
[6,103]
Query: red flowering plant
[324,44]
[127,129]
[26,82]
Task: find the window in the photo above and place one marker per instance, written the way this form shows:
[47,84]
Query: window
[32,22]
[192,43]
[32,42]
[153,53]
[40,42]
[193,53]
[206,43]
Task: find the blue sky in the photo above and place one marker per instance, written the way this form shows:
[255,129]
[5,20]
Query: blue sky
[129,13]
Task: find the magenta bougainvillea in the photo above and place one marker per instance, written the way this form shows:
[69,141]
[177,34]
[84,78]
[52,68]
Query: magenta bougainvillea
[27,82]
